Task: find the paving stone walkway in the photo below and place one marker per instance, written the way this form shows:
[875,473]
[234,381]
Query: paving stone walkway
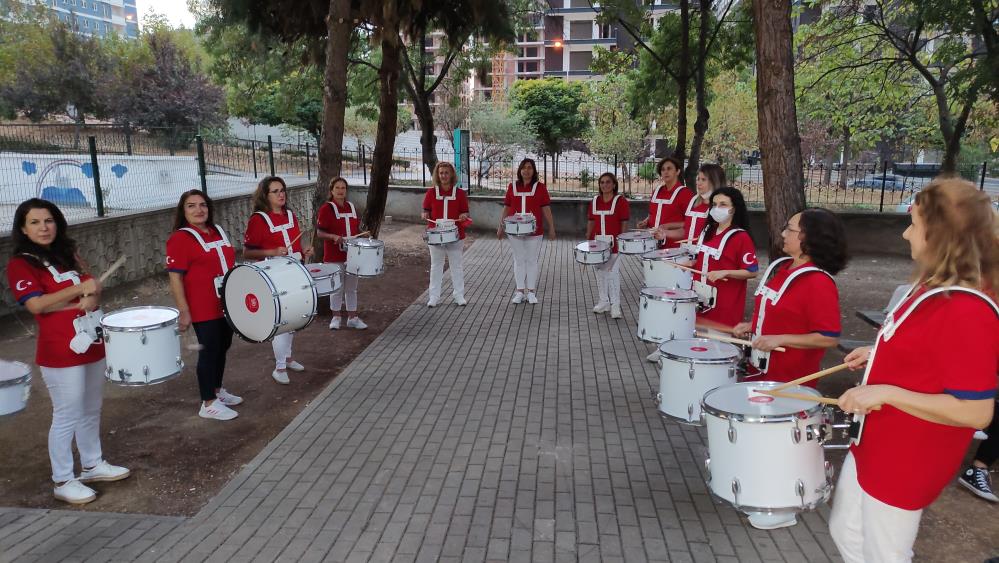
[490,432]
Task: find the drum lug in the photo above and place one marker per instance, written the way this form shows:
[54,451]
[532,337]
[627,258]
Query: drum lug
[142,337]
[107,336]
[659,398]
[732,435]
[145,373]
[707,469]
[642,333]
[645,303]
[690,372]
[674,307]
[690,412]
[306,316]
[818,432]
[736,489]
[731,372]
[306,286]
[124,375]
[829,472]
[796,433]
[180,362]
[799,488]
[282,294]
[659,364]
[176,331]
[108,371]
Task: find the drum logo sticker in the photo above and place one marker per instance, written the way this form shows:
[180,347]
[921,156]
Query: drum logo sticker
[698,349]
[252,303]
[761,399]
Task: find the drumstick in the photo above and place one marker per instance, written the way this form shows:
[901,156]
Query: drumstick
[292,243]
[675,265]
[710,325]
[729,339]
[811,377]
[799,396]
[359,235]
[114,268]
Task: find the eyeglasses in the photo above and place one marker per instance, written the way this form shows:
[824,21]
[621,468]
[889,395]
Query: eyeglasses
[787,227]
[281,191]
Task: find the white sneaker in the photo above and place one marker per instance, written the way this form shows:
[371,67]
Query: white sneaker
[335,323]
[460,300]
[74,492]
[295,366]
[532,299]
[653,357]
[433,302]
[762,521]
[104,471]
[602,307]
[227,398]
[355,322]
[518,298]
[616,312]
[217,411]
[279,376]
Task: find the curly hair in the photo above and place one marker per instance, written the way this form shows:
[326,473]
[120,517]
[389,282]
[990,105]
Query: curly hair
[962,236]
[437,177]
[824,239]
[260,202]
[62,251]
[676,163]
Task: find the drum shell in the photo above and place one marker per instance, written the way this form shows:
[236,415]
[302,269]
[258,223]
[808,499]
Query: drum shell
[15,388]
[657,273]
[287,295]
[327,281]
[366,261]
[636,246]
[520,228]
[662,320]
[591,256]
[436,237]
[683,383]
[142,355]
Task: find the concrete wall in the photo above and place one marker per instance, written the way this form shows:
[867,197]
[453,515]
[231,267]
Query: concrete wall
[867,233]
[142,237]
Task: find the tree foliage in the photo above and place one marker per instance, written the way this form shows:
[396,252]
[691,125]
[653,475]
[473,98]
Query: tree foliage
[551,109]
[613,131]
[498,134]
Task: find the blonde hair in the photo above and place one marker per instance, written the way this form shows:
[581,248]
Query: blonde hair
[333,183]
[962,236]
[436,175]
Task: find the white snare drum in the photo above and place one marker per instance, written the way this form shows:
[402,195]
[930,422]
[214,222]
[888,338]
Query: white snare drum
[520,225]
[636,242]
[765,453]
[365,257]
[441,235]
[592,252]
[665,314]
[658,273]
[326,277]
[142,345]
[267,298]
[15,387]
[689,368]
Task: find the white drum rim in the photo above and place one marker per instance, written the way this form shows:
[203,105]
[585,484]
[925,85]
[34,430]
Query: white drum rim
[600,246]
[155,326]
[334,271]
[636,235]
[679,253]
[759,418]
[274,300]
[22,367]
[143,383]
[826,493]
[365,242]
[689,360]
[678,299]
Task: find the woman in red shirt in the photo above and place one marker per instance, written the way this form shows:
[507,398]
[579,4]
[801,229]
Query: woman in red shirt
[446,201]
[43,274]
[726,258]
[608,218]
[273,230]
[198,256]
[710,177]
[668,203]
[338,219]
[930,378]
[527,195]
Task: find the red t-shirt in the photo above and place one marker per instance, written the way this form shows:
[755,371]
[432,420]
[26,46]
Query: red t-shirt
[27,280]
[259,236]
[694,220]
[517,196]
[810,304]
[329,223]
[949,344]
[612,222]
[739,253]
[671,206]
[199,267]
[455,202]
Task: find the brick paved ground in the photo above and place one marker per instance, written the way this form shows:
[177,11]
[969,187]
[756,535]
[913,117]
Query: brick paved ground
[490,432]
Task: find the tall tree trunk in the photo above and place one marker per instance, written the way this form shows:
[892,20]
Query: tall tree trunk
[844,169]
[780,144]
[953,144]
[415,82]
[388,110]
[683,82]
[340,27]
[428,140]
[703,116]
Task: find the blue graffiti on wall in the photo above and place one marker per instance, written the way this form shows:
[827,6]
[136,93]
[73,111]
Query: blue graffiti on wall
[60,189]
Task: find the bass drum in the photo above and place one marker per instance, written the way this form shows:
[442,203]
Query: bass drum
[267,298]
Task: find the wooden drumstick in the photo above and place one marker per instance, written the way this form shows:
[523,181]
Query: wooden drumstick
[675,265]
[114,268]
[811,377]
[359,235]
[292,243]
[731,340]
[799,396]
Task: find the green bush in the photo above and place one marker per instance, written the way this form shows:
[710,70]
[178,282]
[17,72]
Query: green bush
[732,173]
[647,171]
[585,178]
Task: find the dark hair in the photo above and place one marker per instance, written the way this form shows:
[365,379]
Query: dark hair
[180,221]
[740,215]
[260,202]
[62,251]
[824,239]
[521,167]
[613,179]
[715,175]
[333,183]
[677,163]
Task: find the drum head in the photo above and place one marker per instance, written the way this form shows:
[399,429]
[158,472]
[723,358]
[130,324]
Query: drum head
[593,246]
[10,371]
[635,235]
[664,294]
[139,317]
[665,254]
[365,242]
[249,304]
[738,399]
[699,351]
[322,270]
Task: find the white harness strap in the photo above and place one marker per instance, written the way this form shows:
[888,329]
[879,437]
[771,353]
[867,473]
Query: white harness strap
[283,229]
[445,199]
[70,275]
[524,195]
[345,216]
[713,253]
[660,202]
[694,216]
[217,245]
[603,214]
[891,326]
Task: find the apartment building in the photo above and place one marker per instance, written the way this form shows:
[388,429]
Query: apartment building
[98,18]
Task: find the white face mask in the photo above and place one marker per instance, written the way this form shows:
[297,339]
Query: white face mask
[720,214]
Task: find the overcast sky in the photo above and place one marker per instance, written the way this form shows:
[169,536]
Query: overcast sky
[174,10]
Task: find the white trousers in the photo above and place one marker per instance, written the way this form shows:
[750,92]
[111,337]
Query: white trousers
[282,349]
[526,257]
[452,251]
[866,529]
[348,291]
[609,281]
[77,393]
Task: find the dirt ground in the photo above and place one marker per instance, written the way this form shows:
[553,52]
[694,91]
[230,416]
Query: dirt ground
[141,425]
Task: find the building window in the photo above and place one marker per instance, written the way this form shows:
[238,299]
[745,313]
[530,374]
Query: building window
[529,52]
[527,66]
[580,60]
[606,31]
[581,30]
